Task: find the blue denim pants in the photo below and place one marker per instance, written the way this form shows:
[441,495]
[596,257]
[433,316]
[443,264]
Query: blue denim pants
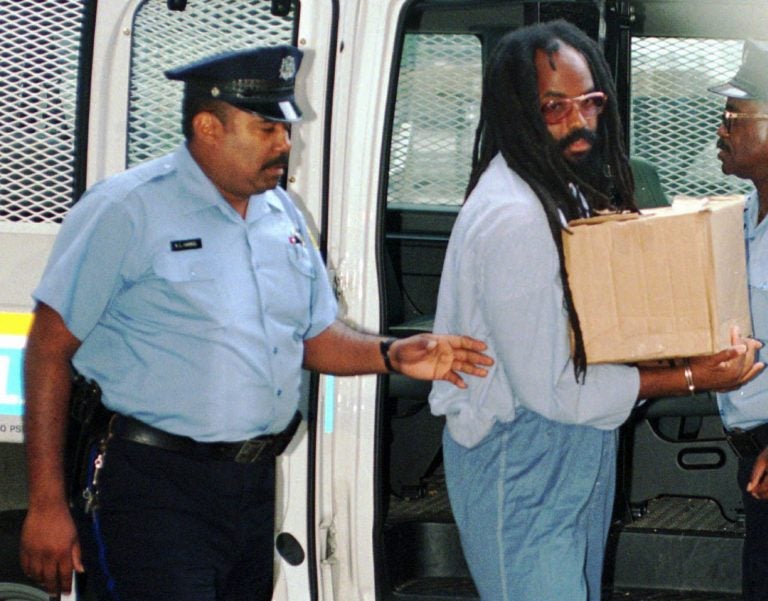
[533,505]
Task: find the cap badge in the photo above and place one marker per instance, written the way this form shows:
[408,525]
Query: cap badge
[287,67]
[215,91]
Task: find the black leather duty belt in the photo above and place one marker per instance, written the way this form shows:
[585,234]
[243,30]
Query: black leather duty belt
[247,451]
[748,443]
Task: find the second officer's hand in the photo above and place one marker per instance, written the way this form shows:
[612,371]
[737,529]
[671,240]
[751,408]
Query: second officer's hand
[758,483]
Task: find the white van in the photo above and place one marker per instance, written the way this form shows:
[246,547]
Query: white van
[390,91]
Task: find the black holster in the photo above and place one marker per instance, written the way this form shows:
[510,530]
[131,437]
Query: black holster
[87,425]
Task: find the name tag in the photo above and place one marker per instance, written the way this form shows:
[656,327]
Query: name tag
[191,244]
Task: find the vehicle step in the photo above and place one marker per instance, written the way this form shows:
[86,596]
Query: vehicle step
[679,544]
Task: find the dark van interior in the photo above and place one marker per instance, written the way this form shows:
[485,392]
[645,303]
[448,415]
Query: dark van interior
[678,525]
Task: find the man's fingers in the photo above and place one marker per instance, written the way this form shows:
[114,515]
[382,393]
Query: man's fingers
[455,379]
[756,369]
[473,357]
[26,566]
[49,579]
[54,575]
[466,342]
[470,367]
[745,377]
[77,560]
[754,487]
[65,580]
[732,352]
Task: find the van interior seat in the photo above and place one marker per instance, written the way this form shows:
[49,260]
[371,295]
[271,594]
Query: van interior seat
[649,193]
[683,439]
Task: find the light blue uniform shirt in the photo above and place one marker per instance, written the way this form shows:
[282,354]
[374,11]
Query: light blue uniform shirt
[192,319]
[747,407]
[501,284]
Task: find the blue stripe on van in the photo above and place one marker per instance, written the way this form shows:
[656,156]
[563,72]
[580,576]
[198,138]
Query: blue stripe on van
[10,382]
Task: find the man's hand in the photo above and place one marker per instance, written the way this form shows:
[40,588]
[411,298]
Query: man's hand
[758,484]
[50,548]
[729,368]
[439,357]
[344,351]
[49,545]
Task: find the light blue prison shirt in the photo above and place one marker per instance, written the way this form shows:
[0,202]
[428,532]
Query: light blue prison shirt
[747,407]
[501,284]
[192,319]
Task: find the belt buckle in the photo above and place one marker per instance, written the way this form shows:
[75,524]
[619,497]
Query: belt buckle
[251,450]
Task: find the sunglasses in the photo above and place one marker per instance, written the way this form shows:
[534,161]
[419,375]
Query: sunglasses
[729,117]
[589,105]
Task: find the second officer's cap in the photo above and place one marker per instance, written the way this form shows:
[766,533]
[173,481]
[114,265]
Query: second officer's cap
[259,80]
[751,80]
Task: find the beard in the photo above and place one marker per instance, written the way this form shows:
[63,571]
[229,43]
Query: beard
[590,168]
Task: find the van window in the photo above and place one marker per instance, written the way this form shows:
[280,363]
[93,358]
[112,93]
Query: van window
[436,113]
[38,89]
[674,117]
[164,39]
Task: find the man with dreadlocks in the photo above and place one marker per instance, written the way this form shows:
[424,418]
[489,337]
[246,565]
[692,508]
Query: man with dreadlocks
[530,451]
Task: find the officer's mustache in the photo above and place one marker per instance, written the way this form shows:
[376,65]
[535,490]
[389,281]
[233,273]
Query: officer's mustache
[278,161]
[721,145]
[575,135]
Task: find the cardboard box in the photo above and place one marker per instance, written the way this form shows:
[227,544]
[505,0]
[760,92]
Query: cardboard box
[668,283]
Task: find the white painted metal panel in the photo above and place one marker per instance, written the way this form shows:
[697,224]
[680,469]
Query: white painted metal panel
[346,447]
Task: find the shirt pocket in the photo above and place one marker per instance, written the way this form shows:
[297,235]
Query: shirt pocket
[290,296]
[188,287]
[299,258]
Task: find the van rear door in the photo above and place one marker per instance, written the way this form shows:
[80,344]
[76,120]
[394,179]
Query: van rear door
[84,96]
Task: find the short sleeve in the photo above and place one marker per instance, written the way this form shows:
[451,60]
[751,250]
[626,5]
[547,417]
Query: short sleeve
[84,270]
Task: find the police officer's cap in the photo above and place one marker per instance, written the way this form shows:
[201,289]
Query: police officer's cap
[259,80]
[751,80]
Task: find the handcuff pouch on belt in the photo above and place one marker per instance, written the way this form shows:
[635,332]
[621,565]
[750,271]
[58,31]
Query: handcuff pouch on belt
[87,425]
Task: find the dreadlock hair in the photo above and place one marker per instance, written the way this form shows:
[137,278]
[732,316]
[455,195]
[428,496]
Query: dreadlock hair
[511,124]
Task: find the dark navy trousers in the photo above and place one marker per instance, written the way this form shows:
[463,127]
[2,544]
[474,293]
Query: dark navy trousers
[170,526]
[755,556]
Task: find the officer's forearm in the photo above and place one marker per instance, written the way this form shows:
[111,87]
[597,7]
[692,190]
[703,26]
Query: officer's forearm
[47,381]
[343,351]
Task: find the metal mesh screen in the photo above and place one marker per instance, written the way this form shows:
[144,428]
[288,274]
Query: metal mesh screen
[38,87]
[674,117]
[164,39]
[436,113]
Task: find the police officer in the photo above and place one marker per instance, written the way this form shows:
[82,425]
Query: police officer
[188,289]
[743,151]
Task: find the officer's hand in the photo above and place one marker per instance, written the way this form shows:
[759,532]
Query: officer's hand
[440,357]
[50,550]
[758,484]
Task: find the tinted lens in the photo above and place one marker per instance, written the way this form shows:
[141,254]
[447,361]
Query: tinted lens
[556,110]
[589,105]
[726,119]
[592,105]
